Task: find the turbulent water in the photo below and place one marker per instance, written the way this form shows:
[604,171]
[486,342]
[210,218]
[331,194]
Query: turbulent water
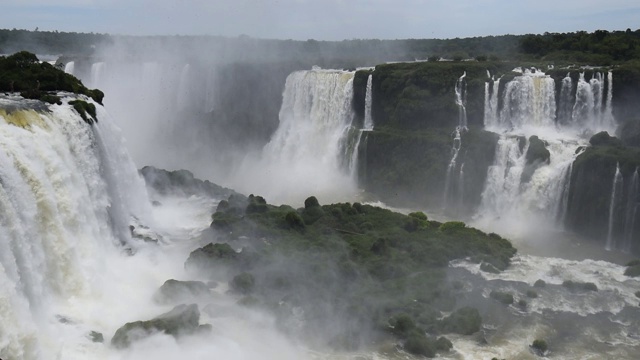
[313,151]
[68,263]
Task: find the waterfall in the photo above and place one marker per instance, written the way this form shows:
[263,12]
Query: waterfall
[609,121]
[529,100]
[448,183]
[59,215]
[565,107]
[597,88]
[491,117]
[184,89]
[631,212]
[503,177]
[69,67]
[461,101]
[583,107]
[97,74]
[368,119]
[313,151]
[615,193]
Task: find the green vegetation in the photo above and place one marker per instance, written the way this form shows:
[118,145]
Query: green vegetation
[23,72]
[358,272]
[87,111]
[540,346]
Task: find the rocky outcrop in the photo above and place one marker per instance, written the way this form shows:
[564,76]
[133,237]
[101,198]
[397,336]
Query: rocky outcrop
[181,182]
[181,320]
[592,181]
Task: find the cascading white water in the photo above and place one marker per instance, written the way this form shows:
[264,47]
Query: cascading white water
[69,67]
[529,100]
[615,193]
[59,214]
[565,107]
[368,99]
[597,88]
[510,200]
[97,73]
[609,121]
[631,212]
[460,99]
[311,151]
[491,118]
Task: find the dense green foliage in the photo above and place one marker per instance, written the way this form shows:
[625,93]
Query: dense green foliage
[598,48]
[357,271]
[23,72]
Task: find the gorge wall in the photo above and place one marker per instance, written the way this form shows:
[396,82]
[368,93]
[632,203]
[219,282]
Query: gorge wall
[525,152]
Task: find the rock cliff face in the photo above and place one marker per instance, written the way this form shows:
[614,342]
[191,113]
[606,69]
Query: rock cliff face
[421,154]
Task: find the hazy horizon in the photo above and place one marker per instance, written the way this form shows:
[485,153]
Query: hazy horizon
[328,20]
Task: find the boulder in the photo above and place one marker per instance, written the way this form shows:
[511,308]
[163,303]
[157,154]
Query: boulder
[176,291]
[181,320]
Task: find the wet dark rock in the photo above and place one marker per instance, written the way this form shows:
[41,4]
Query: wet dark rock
[181,320]
[175,291]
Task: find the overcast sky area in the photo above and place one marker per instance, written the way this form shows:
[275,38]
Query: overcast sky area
[321,19]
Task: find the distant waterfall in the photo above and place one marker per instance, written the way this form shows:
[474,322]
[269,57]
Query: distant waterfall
[65,188]
[565,107]
[528,107]
[69,67]
[461,100]
[608,109]
[314,149]
[491,117]
[97,73]
[449,191]
[368,119]
[631,212]
[615,194]
[529,100]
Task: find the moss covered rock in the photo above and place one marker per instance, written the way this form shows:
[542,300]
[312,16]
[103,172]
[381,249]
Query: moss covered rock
[181,320]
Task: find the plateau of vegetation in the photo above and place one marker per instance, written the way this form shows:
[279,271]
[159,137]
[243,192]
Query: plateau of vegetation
[354,273]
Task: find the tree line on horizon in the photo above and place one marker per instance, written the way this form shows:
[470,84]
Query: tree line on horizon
[600,47]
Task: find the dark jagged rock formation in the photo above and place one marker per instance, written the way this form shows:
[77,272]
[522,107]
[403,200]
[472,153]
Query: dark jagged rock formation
[182,181]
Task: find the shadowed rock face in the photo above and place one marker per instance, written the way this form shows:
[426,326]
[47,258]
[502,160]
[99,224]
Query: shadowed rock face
[181,320]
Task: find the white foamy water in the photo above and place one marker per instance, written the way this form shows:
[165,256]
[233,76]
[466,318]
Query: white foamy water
[311,152]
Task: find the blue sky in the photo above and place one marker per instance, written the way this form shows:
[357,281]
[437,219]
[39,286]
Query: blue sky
[322,19]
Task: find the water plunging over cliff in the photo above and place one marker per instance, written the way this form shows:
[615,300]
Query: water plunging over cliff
[67,194]
[534,191]
[312,151]
[368,99]
[69,67]
[453,191]
[616,193]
